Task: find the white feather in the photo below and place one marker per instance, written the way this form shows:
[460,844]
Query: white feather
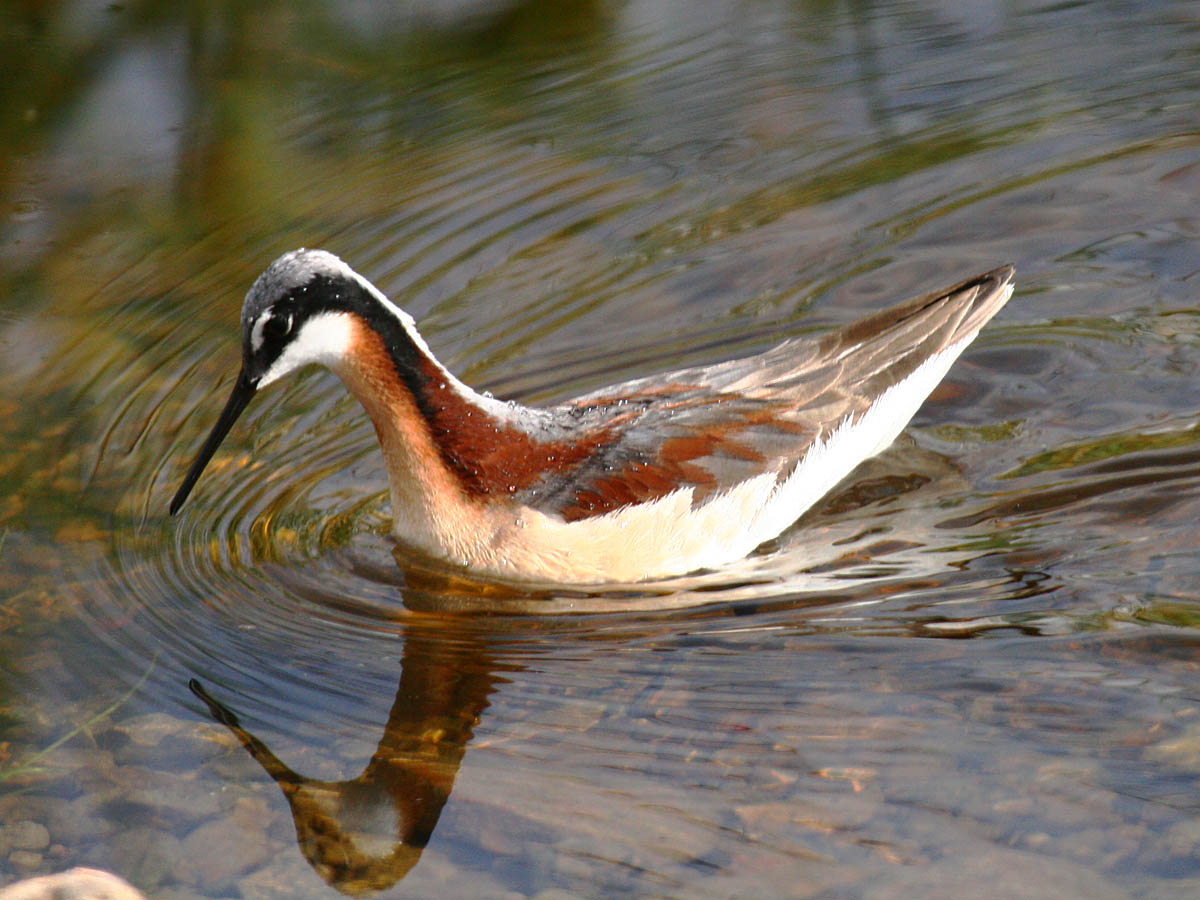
[324,339]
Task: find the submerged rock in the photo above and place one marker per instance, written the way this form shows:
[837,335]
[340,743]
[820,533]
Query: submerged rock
[75,884]
[27,835]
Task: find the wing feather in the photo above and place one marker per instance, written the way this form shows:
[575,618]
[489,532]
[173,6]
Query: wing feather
[710,428]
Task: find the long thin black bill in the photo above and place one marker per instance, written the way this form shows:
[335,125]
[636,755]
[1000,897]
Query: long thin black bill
[243,392]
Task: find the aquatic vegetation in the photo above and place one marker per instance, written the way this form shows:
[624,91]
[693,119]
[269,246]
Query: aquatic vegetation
[31,766]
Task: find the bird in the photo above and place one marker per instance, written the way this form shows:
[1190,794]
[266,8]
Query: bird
[652,478]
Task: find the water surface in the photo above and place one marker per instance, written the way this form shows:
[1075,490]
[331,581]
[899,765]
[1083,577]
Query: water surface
[971,671]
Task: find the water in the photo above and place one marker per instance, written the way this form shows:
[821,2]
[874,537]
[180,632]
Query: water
[971,671]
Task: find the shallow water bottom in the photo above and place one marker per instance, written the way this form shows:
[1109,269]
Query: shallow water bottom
[838,747]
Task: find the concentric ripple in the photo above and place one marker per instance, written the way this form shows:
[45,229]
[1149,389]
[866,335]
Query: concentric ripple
[971,667]
[522,268]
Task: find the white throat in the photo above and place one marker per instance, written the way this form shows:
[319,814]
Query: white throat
[323,339]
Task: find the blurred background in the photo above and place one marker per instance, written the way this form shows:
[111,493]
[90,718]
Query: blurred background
[971,671]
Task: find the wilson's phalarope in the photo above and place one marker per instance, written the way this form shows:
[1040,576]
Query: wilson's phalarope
[650,478]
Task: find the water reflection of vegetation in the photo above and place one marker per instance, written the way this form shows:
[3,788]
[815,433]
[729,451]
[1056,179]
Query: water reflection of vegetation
[1167,611]
[1108,447]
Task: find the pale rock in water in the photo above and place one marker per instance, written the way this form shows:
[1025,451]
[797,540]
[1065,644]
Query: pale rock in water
[75,884]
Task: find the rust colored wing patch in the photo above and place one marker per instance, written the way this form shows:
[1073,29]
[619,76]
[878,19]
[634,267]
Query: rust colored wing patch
[692,439]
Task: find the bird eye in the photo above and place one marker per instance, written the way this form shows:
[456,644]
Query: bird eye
[277,327]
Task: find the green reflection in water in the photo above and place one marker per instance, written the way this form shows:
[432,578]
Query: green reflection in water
[1109,447]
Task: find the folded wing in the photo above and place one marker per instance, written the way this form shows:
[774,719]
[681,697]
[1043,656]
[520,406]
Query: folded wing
[711,428]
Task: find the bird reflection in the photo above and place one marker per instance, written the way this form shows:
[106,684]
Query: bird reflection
[365,834]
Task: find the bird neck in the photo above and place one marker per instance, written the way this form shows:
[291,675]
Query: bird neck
[440,439]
